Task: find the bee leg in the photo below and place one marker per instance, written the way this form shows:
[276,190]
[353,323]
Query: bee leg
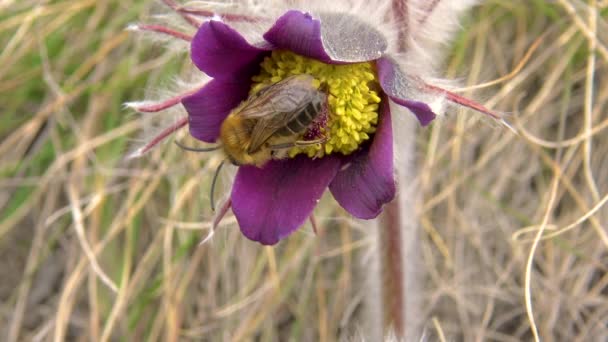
[310,142]
[300,143]
[313,223]
[213,183]
[195,149]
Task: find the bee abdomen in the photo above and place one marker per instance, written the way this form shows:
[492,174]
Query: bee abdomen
[301,120]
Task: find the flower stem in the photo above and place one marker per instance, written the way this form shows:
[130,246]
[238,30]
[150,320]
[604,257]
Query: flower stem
[392,270]
[145,107]
[224,16]
[160,137]
[163,30]
[397,255]
[401,14]
[174,6]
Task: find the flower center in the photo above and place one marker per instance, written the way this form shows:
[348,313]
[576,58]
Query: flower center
[352,100]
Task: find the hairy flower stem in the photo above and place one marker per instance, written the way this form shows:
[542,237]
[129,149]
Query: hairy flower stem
[164,30]
[160,137]
[174,6]
[401,13]
[392,270]
[396,254]
[160,106]
[224,16]
[397,249]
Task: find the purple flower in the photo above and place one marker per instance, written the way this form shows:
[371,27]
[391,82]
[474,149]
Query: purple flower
[272,201]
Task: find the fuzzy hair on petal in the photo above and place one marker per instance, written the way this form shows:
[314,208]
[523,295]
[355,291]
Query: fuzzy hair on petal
[402,84]
[371,15]
[428,25]
[431,26]
[154,124]
[160,15]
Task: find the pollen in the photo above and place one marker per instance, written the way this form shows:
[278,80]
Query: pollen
[352,100]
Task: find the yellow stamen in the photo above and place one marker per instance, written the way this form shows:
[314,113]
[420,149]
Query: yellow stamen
[353,102]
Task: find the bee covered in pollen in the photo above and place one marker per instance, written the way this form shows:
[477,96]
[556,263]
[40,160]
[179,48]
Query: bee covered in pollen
[288,114]
[274,120]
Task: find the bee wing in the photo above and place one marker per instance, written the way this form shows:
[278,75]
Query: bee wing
[266,127]
[277,105]
[284,96]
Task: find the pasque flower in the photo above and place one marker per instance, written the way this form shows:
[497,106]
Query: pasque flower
[357,64]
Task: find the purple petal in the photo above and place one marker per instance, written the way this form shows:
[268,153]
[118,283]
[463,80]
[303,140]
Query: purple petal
[364,185]
[271,202]
[300,33]
[346,38]
[221,52]
[332,37]
[398,85]
[208,107]
[423,112]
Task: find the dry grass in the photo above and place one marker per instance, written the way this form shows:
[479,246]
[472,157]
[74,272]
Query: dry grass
[96,247]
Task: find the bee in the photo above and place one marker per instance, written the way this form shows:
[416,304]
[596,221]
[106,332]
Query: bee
[272,120]
[269,123]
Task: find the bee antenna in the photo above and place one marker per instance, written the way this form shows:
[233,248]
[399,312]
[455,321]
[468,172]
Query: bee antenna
[214,182]
[195,149]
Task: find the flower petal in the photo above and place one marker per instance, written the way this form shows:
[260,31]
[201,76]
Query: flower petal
[221,52]
[300,33]
[367,182]
[398,86]
[208,107]
[348,39]
[333,38]
[271,202]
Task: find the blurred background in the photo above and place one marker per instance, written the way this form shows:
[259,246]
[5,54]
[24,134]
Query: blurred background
[97,247]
